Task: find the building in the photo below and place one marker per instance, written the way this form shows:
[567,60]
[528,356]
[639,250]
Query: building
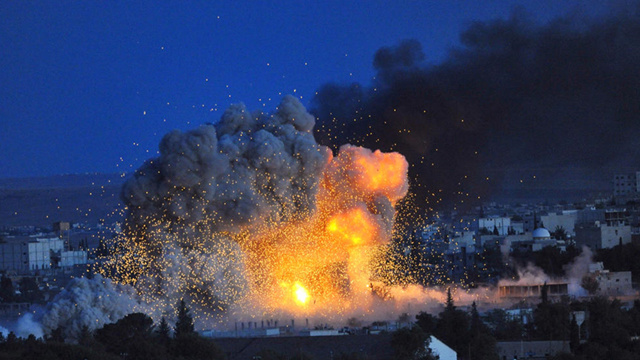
[541,234]
[532,290]
[611,283]
[73,258]
[441,349]
[495,223]
[323,347]
[626,185]
[565,219]
[14,257]
[33,253]
[602,236]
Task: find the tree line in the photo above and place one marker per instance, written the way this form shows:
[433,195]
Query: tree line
[134,337]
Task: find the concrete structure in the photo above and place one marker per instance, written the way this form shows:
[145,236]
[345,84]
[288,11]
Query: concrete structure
[614,283]
[321,332]
[24,254]
[32,253]
[602,236]
[246,333]
[565,219]
[532,290]
[508,350]
[40,252]
[14,257]
[502,224]
[626,184]
[72,258]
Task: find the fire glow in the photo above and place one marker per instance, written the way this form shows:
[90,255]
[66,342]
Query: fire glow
[330,251]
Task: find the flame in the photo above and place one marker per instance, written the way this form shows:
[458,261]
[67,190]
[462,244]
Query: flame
[330,251]
[382,172]
[302,296]
[355,226]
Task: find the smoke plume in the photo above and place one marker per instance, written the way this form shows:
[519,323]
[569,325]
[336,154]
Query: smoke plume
[251,215]
[89,303]
[517,96]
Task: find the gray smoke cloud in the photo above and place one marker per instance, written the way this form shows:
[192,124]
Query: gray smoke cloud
[248,168]
[189,209]
[84,302]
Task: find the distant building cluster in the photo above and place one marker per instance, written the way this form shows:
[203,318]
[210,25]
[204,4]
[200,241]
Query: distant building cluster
[40,252]
[453,248]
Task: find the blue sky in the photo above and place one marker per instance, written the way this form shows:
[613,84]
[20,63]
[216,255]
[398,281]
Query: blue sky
[89,86]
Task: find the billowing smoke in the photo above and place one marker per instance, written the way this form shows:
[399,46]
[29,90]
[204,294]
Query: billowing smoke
[552,100]
[28,325]
[248,168]
[573,273]
[89,303]
[210,187]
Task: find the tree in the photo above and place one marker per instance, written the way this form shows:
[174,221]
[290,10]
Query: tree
[551,319]
[482,344]
[411,343]
[194,347]
[86,337]
[560,233]
[453,326]
[476,322]
[7,291]
[57,335]
[163,332]
[449,305]
[184,324]
[131,335]
[483,347]
[590,283]
[427,322]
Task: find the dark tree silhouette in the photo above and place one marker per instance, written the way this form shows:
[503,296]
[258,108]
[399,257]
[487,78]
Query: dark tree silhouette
[184,324]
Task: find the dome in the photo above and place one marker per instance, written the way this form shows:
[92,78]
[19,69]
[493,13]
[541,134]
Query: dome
[541,233]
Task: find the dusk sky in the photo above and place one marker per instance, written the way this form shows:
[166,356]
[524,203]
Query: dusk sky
[93,86]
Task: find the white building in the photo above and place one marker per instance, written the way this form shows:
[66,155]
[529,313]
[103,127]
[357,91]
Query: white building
[24,254]
[612,283]
[442,350]
[491,223]
[565,219]
[72,258]
[602,236]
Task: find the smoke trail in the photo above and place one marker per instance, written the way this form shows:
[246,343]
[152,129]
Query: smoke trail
[517,95]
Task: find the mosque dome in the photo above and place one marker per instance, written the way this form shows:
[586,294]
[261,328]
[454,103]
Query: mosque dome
[541,233]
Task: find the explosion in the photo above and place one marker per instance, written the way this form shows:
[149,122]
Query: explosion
[251,217]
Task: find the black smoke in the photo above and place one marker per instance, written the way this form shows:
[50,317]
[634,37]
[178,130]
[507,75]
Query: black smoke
[517,97]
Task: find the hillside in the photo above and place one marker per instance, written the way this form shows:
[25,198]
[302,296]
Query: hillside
[74,198]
